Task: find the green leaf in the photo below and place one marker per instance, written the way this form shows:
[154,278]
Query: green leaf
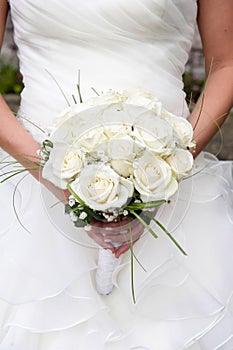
[59,87]
[97,216]
[68,209]
[75,102]
[14,174]
[80,223]
[34,124]
[47,143]
[169,235]
[132,257]
[95,91]
[144,216]
[76,196]
[132,263]
[144,223]
[141,206]
[79,89]
[14,205]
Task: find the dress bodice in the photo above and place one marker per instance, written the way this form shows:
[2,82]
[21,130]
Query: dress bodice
[118,45]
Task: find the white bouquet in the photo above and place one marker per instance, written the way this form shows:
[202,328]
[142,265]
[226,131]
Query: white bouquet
[120,155]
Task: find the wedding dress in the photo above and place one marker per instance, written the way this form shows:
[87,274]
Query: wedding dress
[48,299]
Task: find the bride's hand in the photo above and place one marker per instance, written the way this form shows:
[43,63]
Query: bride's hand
[110,234]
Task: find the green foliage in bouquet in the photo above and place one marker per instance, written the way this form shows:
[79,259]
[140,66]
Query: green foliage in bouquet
[143,212]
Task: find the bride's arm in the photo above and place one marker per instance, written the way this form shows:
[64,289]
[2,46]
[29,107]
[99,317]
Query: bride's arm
[14,139]
[216,29]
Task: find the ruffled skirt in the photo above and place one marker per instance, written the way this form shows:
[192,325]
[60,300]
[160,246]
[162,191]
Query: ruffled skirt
[48,299]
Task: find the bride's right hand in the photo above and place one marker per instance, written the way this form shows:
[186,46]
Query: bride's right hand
[116,236]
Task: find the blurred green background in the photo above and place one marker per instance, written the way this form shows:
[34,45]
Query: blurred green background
[10,79]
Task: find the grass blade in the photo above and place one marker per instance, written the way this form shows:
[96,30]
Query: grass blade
[14,206]
[169,235]
[59,87]
[76,196]
[79,89]
[132,264]
[144,223]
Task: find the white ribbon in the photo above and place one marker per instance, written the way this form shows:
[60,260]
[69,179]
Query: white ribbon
[107,263]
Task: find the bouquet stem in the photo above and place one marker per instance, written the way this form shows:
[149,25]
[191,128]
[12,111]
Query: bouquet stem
[107,263]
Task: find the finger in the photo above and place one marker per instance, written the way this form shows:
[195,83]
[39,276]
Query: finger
[113,224]
[123,249]
[98,238]
[124,238]
[117,238]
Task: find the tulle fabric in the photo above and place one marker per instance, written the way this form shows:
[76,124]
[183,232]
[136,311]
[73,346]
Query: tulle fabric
[48,299]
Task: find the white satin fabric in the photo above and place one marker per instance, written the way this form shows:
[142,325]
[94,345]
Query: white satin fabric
[115,45]
[48,300]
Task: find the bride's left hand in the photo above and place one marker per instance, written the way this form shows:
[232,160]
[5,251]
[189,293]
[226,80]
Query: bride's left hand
[121,234]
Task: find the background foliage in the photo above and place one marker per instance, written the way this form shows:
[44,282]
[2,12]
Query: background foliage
[11,82]
[10,79]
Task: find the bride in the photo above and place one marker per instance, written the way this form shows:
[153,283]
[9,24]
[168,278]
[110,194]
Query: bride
[48,299]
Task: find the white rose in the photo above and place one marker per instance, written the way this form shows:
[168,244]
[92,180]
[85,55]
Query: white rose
[145,99]
[60,119]
[75,123]
[181,162]
[67,132]
[72,163]
[118,130]
[68,113]
[93,125]
[183,130]
[117,118]
[63,165]
[90,139]
[123,147]
[122,167]
[108,97]
[101,188]
[121,152]
[153,179]
[154,133]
